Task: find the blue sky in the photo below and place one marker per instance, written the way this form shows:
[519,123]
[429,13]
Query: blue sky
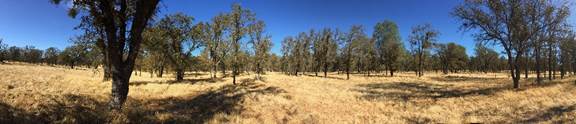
[41,24]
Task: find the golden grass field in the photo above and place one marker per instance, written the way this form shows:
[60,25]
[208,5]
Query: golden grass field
[44,94]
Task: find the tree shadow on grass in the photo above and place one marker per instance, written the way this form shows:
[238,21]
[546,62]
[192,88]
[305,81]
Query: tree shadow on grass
[194,74]
[185,81]
[11,115]
[407,91]
[451,79]
[375,75]
[68,108]
[203,107]
[197,108]
[322,76]
[549,114]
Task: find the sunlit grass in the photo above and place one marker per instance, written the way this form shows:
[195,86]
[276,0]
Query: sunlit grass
[36,94]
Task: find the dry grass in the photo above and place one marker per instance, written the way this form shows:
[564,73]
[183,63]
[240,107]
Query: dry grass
[42,94]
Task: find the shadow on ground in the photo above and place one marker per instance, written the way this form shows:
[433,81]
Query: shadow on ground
[185,81]
[197,108]
[322,76]
[203,107]
[9,115]
[451,79]
[550,114]
[68,108]
[405,91]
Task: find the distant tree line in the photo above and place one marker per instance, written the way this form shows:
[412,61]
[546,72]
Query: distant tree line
[331,50]
[78,54]
[535,37]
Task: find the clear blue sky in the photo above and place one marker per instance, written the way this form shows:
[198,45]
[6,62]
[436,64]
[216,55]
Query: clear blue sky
[41,24]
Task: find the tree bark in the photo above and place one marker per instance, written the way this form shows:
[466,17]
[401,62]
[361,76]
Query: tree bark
[120,87]
[325,70]
[107,73]
[214,71]
[179,74]
[526,60]
[160,71]
[234,72]
[550,62]
[538,65]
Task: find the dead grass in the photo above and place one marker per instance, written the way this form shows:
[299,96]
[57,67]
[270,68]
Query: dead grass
[43,94]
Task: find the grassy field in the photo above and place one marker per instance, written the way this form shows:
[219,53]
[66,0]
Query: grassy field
[40,94]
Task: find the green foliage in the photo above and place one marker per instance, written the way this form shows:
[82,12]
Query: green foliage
[240,18]
[260,45]
[485,59]
[177,38]
[51,55]
[389,45]
[3,51]
[421,39]
[453,57]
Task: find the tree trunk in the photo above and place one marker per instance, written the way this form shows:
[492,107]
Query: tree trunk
[223,68]
[107,73]
[513,66]
[179,74]
[151,73]
[214,71]
[516,78]
[234,72]
[526,66]
[257,71]
[120,86]
[160,71]
[549,64]
[420,54]
[538,65]
[562,73]
[325,70]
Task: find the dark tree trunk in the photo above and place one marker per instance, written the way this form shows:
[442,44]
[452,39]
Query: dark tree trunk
[526,66]
[223,69]
[160,71]
[258,71]
[562,73]
[107,72]
[151,73]
[348,73]
[325,70]
[550,63]
[295,73]
[120,87]
[179,74]
[214,71]
[516,77]
[538,65]
[513,66]
[122,66]
[420,60]
[234,72]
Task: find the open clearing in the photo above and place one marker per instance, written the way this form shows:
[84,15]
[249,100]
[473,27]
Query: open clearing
[40,94]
